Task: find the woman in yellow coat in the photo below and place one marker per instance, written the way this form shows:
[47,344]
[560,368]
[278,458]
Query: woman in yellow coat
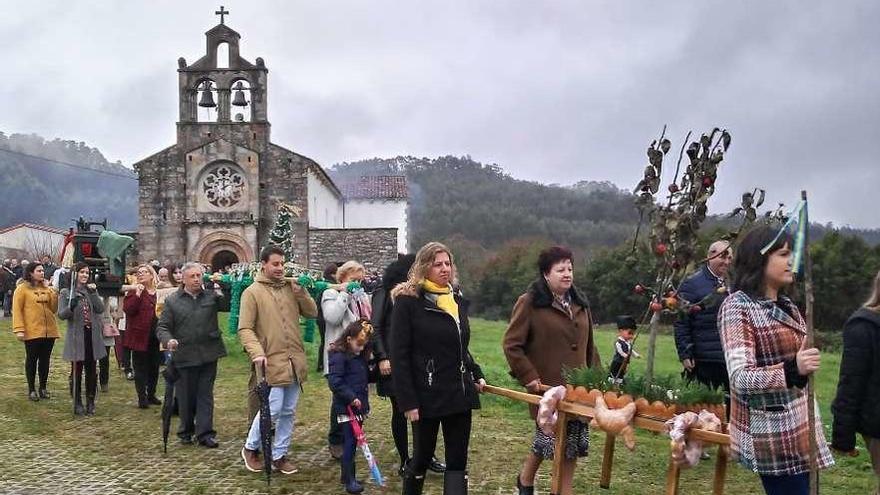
[34,304]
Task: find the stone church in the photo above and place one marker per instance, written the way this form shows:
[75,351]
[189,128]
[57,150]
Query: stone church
[213,196]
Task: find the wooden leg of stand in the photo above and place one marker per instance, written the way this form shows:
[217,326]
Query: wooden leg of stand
[607,461]
[672,477]
[720,471]
[559,454]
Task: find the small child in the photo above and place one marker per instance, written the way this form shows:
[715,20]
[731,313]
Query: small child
[626,329]
[348,378]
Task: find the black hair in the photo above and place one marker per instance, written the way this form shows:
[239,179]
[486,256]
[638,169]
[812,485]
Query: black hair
[330,271]
[749,265]
[551,256]
[28,274]
[397,271]
[269,251]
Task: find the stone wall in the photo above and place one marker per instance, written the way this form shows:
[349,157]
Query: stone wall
[161,205]
[283,177]
[374,248]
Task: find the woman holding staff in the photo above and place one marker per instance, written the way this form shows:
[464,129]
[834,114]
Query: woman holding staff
[763,336]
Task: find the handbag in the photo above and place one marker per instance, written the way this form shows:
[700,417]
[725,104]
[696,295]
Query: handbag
[110,329]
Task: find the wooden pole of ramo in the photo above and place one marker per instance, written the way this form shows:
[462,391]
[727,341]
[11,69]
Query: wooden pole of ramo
[811,389]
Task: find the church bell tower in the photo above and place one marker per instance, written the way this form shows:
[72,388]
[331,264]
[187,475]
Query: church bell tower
[222,94]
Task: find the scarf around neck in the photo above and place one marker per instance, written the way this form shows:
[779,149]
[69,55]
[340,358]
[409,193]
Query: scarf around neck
[443,297]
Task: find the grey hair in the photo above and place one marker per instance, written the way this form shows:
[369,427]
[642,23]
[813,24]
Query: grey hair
[189,265]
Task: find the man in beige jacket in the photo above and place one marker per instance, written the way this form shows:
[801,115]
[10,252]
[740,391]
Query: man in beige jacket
[268,328]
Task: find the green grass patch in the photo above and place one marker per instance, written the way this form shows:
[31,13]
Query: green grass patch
[123,443]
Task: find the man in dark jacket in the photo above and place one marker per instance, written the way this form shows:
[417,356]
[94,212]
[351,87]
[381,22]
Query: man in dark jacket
[856,408]
[17,269]
[696,334]
[188,327]
[48,267]
[7,285]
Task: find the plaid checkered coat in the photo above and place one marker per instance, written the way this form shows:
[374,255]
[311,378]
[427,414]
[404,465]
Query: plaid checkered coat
[768,420]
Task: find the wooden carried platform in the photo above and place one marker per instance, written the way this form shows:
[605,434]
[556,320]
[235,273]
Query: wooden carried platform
[567,410]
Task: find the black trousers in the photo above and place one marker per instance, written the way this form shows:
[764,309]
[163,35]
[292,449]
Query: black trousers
[124,355]
[87,366]
[195,395]
[37,354]
[335,435]
[399,431]
[146,369]
[456,440]
[714,375]
[104,367]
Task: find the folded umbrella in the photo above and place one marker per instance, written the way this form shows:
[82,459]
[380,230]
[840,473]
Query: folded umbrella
[365,448]
[263,390]
[171,375]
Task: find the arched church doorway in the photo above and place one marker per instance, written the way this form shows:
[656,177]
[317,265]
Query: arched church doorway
[223,259]
[222,248]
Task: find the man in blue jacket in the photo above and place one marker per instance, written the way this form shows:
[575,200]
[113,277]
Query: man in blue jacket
[696,334]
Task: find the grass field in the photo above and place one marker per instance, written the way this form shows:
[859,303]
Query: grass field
[47,450]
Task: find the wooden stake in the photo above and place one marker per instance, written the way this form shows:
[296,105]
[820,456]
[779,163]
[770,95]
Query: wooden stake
[720,471]
[811,389]
[672,477]
[556,487]
[607,461]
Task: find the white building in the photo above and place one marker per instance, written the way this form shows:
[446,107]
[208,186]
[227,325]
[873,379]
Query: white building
[377,202]
[31,240]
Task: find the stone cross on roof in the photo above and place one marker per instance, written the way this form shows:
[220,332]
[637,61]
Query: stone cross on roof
[222,13]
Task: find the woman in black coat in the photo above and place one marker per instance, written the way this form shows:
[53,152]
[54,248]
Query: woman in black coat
[395,274]
[436,380]
[856,408]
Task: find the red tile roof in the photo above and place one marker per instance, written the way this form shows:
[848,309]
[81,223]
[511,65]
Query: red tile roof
[34,226]
[375,187]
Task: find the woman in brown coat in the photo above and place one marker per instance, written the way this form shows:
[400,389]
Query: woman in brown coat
[550,329]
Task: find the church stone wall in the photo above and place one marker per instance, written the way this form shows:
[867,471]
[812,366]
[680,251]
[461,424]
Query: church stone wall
[374,248]
[283,178]
[161,205]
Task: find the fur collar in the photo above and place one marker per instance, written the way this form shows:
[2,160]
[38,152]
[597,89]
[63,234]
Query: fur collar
[543,298]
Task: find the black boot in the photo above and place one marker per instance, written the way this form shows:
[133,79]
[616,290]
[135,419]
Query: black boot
[90,406]
[402,469]
[352,485]
[437,466]
[413,484]
[522,489]
[455,483]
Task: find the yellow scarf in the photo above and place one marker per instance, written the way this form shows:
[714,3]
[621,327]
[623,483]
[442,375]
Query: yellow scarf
[445,300]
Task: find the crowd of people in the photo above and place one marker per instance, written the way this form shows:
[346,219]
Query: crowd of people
[411,337]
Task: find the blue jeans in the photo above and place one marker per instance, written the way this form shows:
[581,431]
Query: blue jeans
[792,484]
[282,405]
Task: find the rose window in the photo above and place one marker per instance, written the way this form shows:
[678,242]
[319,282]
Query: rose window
[223,186]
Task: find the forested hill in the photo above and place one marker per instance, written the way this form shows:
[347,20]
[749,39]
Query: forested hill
[53,182]
[453,198]
[460,199]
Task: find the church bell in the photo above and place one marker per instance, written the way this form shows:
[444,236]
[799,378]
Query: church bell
[207,99]
[238,99]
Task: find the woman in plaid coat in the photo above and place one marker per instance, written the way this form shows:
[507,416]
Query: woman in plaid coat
[762,333]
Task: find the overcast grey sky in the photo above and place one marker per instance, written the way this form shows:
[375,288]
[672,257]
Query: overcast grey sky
[553,91]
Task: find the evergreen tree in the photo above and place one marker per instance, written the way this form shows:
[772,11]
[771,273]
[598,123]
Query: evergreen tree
[281,234]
